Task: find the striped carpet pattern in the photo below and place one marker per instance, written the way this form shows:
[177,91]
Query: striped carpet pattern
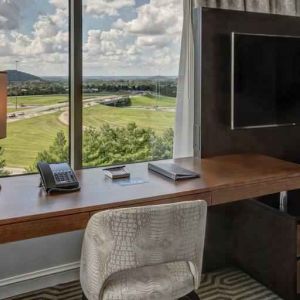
[232,284]
[67,291]
[227,284]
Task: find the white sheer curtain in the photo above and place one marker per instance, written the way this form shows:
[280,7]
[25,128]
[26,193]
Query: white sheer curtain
[184,131]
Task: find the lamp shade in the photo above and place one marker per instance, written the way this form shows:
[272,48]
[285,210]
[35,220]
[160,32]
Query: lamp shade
[3,104]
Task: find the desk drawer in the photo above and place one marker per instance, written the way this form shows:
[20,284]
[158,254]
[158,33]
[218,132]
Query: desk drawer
[298,241]
[37,228]
[200,196]
[249,191]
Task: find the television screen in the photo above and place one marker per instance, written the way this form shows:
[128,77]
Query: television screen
[265,87]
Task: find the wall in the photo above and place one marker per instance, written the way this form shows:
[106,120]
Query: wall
[213,83]
[37,263]
[213,136]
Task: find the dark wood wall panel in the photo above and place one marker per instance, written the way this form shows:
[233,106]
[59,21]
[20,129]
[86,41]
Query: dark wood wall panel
[264,244]
[216,136]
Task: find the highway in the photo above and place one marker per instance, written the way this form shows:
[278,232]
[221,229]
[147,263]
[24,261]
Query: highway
[49,109]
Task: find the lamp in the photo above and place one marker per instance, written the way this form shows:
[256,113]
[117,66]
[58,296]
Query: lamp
[3,105]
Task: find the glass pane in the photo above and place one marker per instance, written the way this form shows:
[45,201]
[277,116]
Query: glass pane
[34,37]
[131,57]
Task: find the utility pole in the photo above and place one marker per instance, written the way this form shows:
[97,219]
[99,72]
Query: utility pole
[158,82]
[17,84]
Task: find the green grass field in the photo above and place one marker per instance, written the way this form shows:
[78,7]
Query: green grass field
[97,115]
[38,100]
[27,137]
[149,101]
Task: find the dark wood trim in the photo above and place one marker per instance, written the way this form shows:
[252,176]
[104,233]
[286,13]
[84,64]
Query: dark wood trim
[3,99]
[75,73]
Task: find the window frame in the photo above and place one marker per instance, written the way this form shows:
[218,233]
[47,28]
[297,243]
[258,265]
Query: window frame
[75,84]
[75,61]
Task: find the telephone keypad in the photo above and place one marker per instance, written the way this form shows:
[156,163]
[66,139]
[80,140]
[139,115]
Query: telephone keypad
[63,176]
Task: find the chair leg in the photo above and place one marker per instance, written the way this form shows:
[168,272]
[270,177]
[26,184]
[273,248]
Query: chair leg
[84,297]
[190,296]
[193,296]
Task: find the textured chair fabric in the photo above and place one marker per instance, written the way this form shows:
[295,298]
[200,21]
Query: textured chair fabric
[166,281]
[144,252]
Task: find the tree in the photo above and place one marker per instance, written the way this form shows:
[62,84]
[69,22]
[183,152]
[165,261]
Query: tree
[113,145]
[2,163]
[58,152]
[163,146]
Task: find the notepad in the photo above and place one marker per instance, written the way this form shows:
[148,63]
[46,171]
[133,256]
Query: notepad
[172,171]
[116,172]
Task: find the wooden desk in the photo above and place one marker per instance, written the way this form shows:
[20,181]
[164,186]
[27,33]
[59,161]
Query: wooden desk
[27,212]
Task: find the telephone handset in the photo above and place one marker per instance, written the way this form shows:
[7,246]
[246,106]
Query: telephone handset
[58,177]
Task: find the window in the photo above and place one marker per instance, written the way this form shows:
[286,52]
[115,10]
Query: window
[130,66]
[130,57]
[34,43]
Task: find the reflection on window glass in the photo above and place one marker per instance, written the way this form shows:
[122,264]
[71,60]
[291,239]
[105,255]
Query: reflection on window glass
[130,64]
[34,51]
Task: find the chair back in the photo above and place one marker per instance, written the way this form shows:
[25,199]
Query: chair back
[121,239]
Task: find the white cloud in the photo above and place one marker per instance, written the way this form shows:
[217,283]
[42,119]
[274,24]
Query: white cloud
[44,50]
[62,4]
[99,8]
[147,44]
[155,18]
[10,12]
[102,43]
[45,27]
[5,46]
[49,35]
[157,41]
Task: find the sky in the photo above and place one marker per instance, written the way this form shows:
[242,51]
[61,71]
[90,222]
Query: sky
[120,37]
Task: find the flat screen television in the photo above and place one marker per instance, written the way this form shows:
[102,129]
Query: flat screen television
[265,80]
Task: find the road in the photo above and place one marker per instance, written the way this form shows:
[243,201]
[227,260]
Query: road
[14,171]
[36,111]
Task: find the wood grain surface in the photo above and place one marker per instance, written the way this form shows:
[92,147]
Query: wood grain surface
[223,179]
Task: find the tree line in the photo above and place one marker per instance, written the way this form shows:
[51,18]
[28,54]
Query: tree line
[109,145]
[28,88]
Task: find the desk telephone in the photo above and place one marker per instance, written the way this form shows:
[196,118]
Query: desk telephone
[58,177]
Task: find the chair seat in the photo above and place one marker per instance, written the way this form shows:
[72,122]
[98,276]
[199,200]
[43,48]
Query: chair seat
[166,281]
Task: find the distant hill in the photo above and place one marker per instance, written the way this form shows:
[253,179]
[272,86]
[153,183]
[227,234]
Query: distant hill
[14,75]
[118,78]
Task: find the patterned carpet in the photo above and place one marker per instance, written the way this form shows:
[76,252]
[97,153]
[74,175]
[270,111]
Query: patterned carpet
[232,284]
[228,284]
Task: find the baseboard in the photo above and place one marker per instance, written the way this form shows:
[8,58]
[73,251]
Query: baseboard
[40,279]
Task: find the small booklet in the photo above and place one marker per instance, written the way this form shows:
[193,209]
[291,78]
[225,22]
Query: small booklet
[172,171]
[116,172]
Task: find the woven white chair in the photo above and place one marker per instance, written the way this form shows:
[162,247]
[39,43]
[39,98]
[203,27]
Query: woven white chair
[149,252]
